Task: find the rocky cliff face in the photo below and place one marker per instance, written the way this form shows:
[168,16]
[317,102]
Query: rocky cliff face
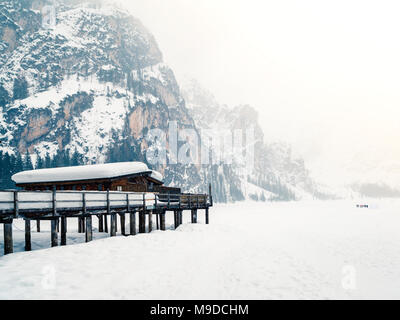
[95,84]
[92,81]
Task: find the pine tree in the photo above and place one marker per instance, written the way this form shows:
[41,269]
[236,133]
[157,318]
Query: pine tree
[39,162]
[20,88]
[18,164]
[48,161]
[4,97]
[28,162]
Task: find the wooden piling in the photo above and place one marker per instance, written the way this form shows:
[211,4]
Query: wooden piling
[108,213]
[194,215]
[132,223]
[176,219]
[157,220]
[54,234]
[142,221]
[101,226]
[150,220]
[105,223]
[162,220]
[122,220]
[28,238]
[89,230]
[113,227]
[8,238]
[180,217]
[63,230]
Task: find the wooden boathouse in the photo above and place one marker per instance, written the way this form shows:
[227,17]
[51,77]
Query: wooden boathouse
[103,191]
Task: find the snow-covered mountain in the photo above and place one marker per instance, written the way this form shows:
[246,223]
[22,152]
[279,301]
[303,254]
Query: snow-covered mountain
[277,173]
[94,84]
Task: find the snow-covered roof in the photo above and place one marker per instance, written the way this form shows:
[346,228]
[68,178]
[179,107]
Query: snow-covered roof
[156,175]
[89,172]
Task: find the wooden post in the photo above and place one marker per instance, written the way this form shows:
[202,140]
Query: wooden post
[122,219]
[89,230]
[194,215]
[150,221]
[8,238]
[38,225]
[63,230]
[28,242]
[176,224]
[54,234]
[162,220]
[113,223]
[101,228]
[54,202]
[157,220]
[210,195]
[142,221]
[180,217]
[108,212]
[81,225]
[105,223]
[132,223]
[58,225]
[207,217]
[16,206]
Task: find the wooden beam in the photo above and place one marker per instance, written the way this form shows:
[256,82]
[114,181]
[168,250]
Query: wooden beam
[54,234]
[63,230]
[28,238]
[89,230]
[8,238]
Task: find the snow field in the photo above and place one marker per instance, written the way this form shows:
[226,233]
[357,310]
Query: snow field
[299,250]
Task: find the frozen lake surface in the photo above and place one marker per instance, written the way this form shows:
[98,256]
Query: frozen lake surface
[298,250]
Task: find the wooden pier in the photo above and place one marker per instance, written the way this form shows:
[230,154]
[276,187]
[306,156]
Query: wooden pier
[59,206]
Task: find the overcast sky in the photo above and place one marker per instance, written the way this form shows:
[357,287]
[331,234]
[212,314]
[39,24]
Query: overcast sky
[324,75]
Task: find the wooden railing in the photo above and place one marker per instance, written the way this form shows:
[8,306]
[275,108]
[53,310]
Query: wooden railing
[17,203]
[57,206]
